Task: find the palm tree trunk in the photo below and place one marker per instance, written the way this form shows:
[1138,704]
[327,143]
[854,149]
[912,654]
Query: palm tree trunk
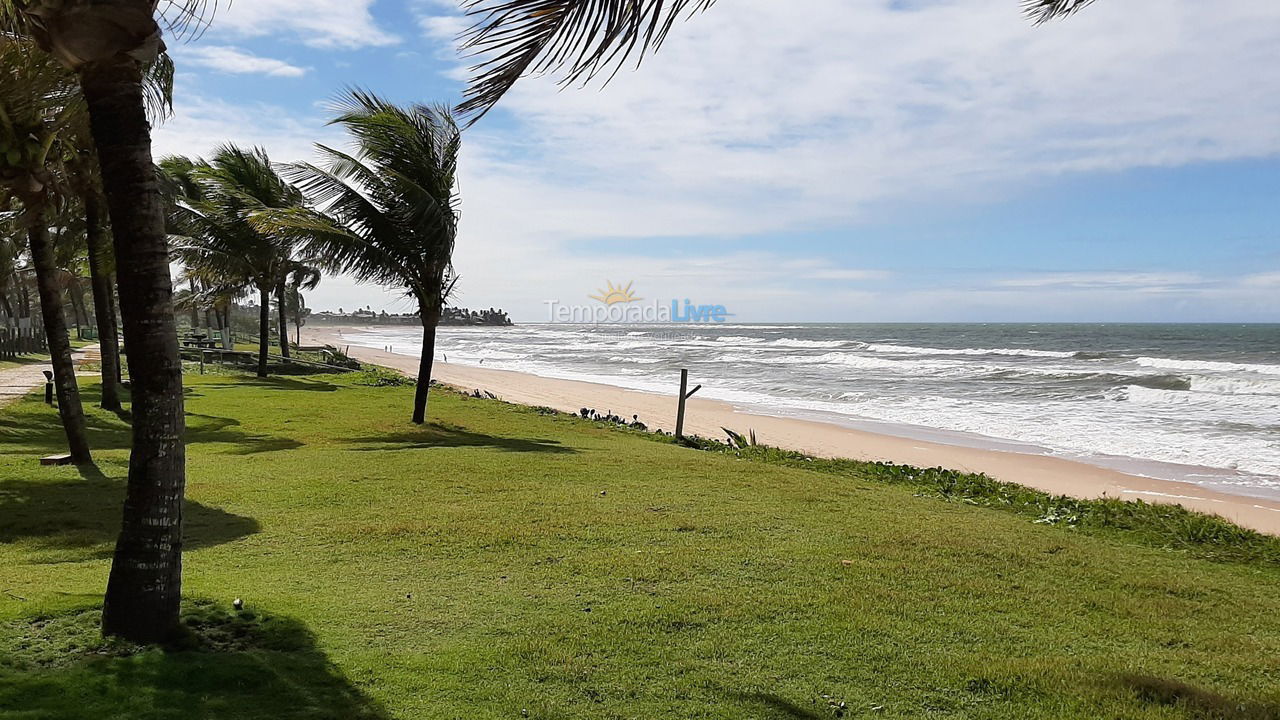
[75,293]
[264,329]
[227,344]
[430,319]
[123,348]
[24,298]
[104,304]
[283,312]
[55,329]
[145,586]
[8,308]
[195,311]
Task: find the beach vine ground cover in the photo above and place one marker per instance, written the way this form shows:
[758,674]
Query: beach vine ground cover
[505,562]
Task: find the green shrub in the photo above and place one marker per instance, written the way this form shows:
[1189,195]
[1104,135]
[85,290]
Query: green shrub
[375,376]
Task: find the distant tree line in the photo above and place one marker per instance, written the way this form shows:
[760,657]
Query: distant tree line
[448,316]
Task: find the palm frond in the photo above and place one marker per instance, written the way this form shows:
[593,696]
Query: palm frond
[188,19]
[157,87]
[1041,11]
[393,197]
[515,38]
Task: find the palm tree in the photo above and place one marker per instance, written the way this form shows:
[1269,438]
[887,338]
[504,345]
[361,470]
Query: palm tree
[109,44]
[9,252]
[37,102]
[394,199]
[82,172]
[217,235]
[301,277]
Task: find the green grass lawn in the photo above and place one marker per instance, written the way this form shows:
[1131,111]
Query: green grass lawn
[505,563]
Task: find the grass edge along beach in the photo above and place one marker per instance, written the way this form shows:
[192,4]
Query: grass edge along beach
[1052,474]
[390,571]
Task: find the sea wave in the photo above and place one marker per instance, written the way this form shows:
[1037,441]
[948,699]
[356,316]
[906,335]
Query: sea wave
[788,342]
[634,359]
[1209,365]
[1236,404]
[845,359]
[1233,386]
[912,350]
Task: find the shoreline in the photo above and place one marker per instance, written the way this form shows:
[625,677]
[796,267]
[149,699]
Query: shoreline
[1056,475]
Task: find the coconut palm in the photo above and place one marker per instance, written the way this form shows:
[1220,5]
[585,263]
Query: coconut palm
[109,45]
[215,231]
[295,276]
[9,252]
[395,201]
[301,276]
[37,102]
[85,182]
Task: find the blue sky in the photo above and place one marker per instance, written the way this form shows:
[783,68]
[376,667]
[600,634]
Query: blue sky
[865,160]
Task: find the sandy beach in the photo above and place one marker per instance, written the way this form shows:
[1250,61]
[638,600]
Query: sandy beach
[706,417]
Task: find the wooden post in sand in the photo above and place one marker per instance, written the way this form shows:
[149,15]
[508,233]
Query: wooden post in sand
[684,385]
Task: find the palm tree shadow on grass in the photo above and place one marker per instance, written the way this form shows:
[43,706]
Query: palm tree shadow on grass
[1197,702]
[228,664]
[270,383]
[434,435]
[78,520]
[36,431]
[778,706]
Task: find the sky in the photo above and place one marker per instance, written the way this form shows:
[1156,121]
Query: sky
[824,161]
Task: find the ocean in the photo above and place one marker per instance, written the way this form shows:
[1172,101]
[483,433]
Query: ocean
[1197,403]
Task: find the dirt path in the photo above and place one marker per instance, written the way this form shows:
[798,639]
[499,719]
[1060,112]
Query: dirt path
[15,382]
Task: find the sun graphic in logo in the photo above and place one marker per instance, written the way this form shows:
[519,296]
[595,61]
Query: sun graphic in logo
[614,295]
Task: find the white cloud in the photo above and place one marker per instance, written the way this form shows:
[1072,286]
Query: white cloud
[200,124]
[234,60]
[758,118]
[320,23]
[1104,280]
[1269,279]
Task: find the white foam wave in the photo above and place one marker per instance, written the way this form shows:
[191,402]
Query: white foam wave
[787,342]
[1210,365]
[1234,386]
[1238,405]
[845,359]
[911,350]
[634,359]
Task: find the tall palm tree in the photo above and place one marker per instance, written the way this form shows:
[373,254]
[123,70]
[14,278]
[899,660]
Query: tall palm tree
[301,277]
[395,201]
[37,104]
[9,252]
[86,183]
[109,44]
[216,233]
